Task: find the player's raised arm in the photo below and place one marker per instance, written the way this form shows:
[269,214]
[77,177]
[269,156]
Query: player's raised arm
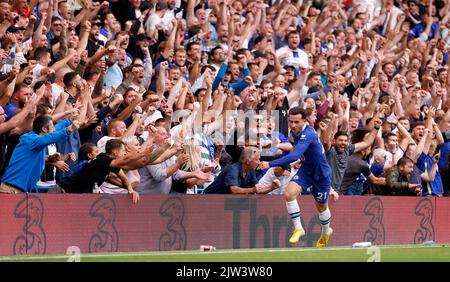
[293,156]
[297,123]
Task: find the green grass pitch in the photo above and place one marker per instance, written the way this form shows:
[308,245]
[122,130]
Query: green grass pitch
[404,253]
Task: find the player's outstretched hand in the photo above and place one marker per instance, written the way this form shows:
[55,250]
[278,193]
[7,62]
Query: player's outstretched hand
[263,165]
[334,195]
[297,164]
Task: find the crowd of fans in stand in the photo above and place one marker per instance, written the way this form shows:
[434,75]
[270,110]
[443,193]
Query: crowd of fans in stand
[189,96]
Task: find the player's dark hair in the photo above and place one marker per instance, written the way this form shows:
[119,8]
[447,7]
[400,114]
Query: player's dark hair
[298,111]
[113,144]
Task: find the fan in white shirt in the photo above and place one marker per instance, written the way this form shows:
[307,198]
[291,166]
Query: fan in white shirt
[276,179]
[291,54]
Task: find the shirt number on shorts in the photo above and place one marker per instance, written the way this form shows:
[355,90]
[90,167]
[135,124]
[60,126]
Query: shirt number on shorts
[321,196]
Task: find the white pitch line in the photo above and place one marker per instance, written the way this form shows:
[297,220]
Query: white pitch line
[231,251]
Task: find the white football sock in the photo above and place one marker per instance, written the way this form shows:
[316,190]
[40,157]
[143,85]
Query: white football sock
[325,218]
[294,211]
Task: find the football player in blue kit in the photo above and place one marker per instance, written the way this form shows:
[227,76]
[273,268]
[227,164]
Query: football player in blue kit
[314,172]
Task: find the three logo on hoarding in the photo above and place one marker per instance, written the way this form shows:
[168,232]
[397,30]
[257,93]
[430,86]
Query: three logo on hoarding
[175,236]
[375,233]
[33,240]
[107,238]
[425,232]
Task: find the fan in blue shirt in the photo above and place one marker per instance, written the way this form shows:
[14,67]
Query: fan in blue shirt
[28,159]
[238,178]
